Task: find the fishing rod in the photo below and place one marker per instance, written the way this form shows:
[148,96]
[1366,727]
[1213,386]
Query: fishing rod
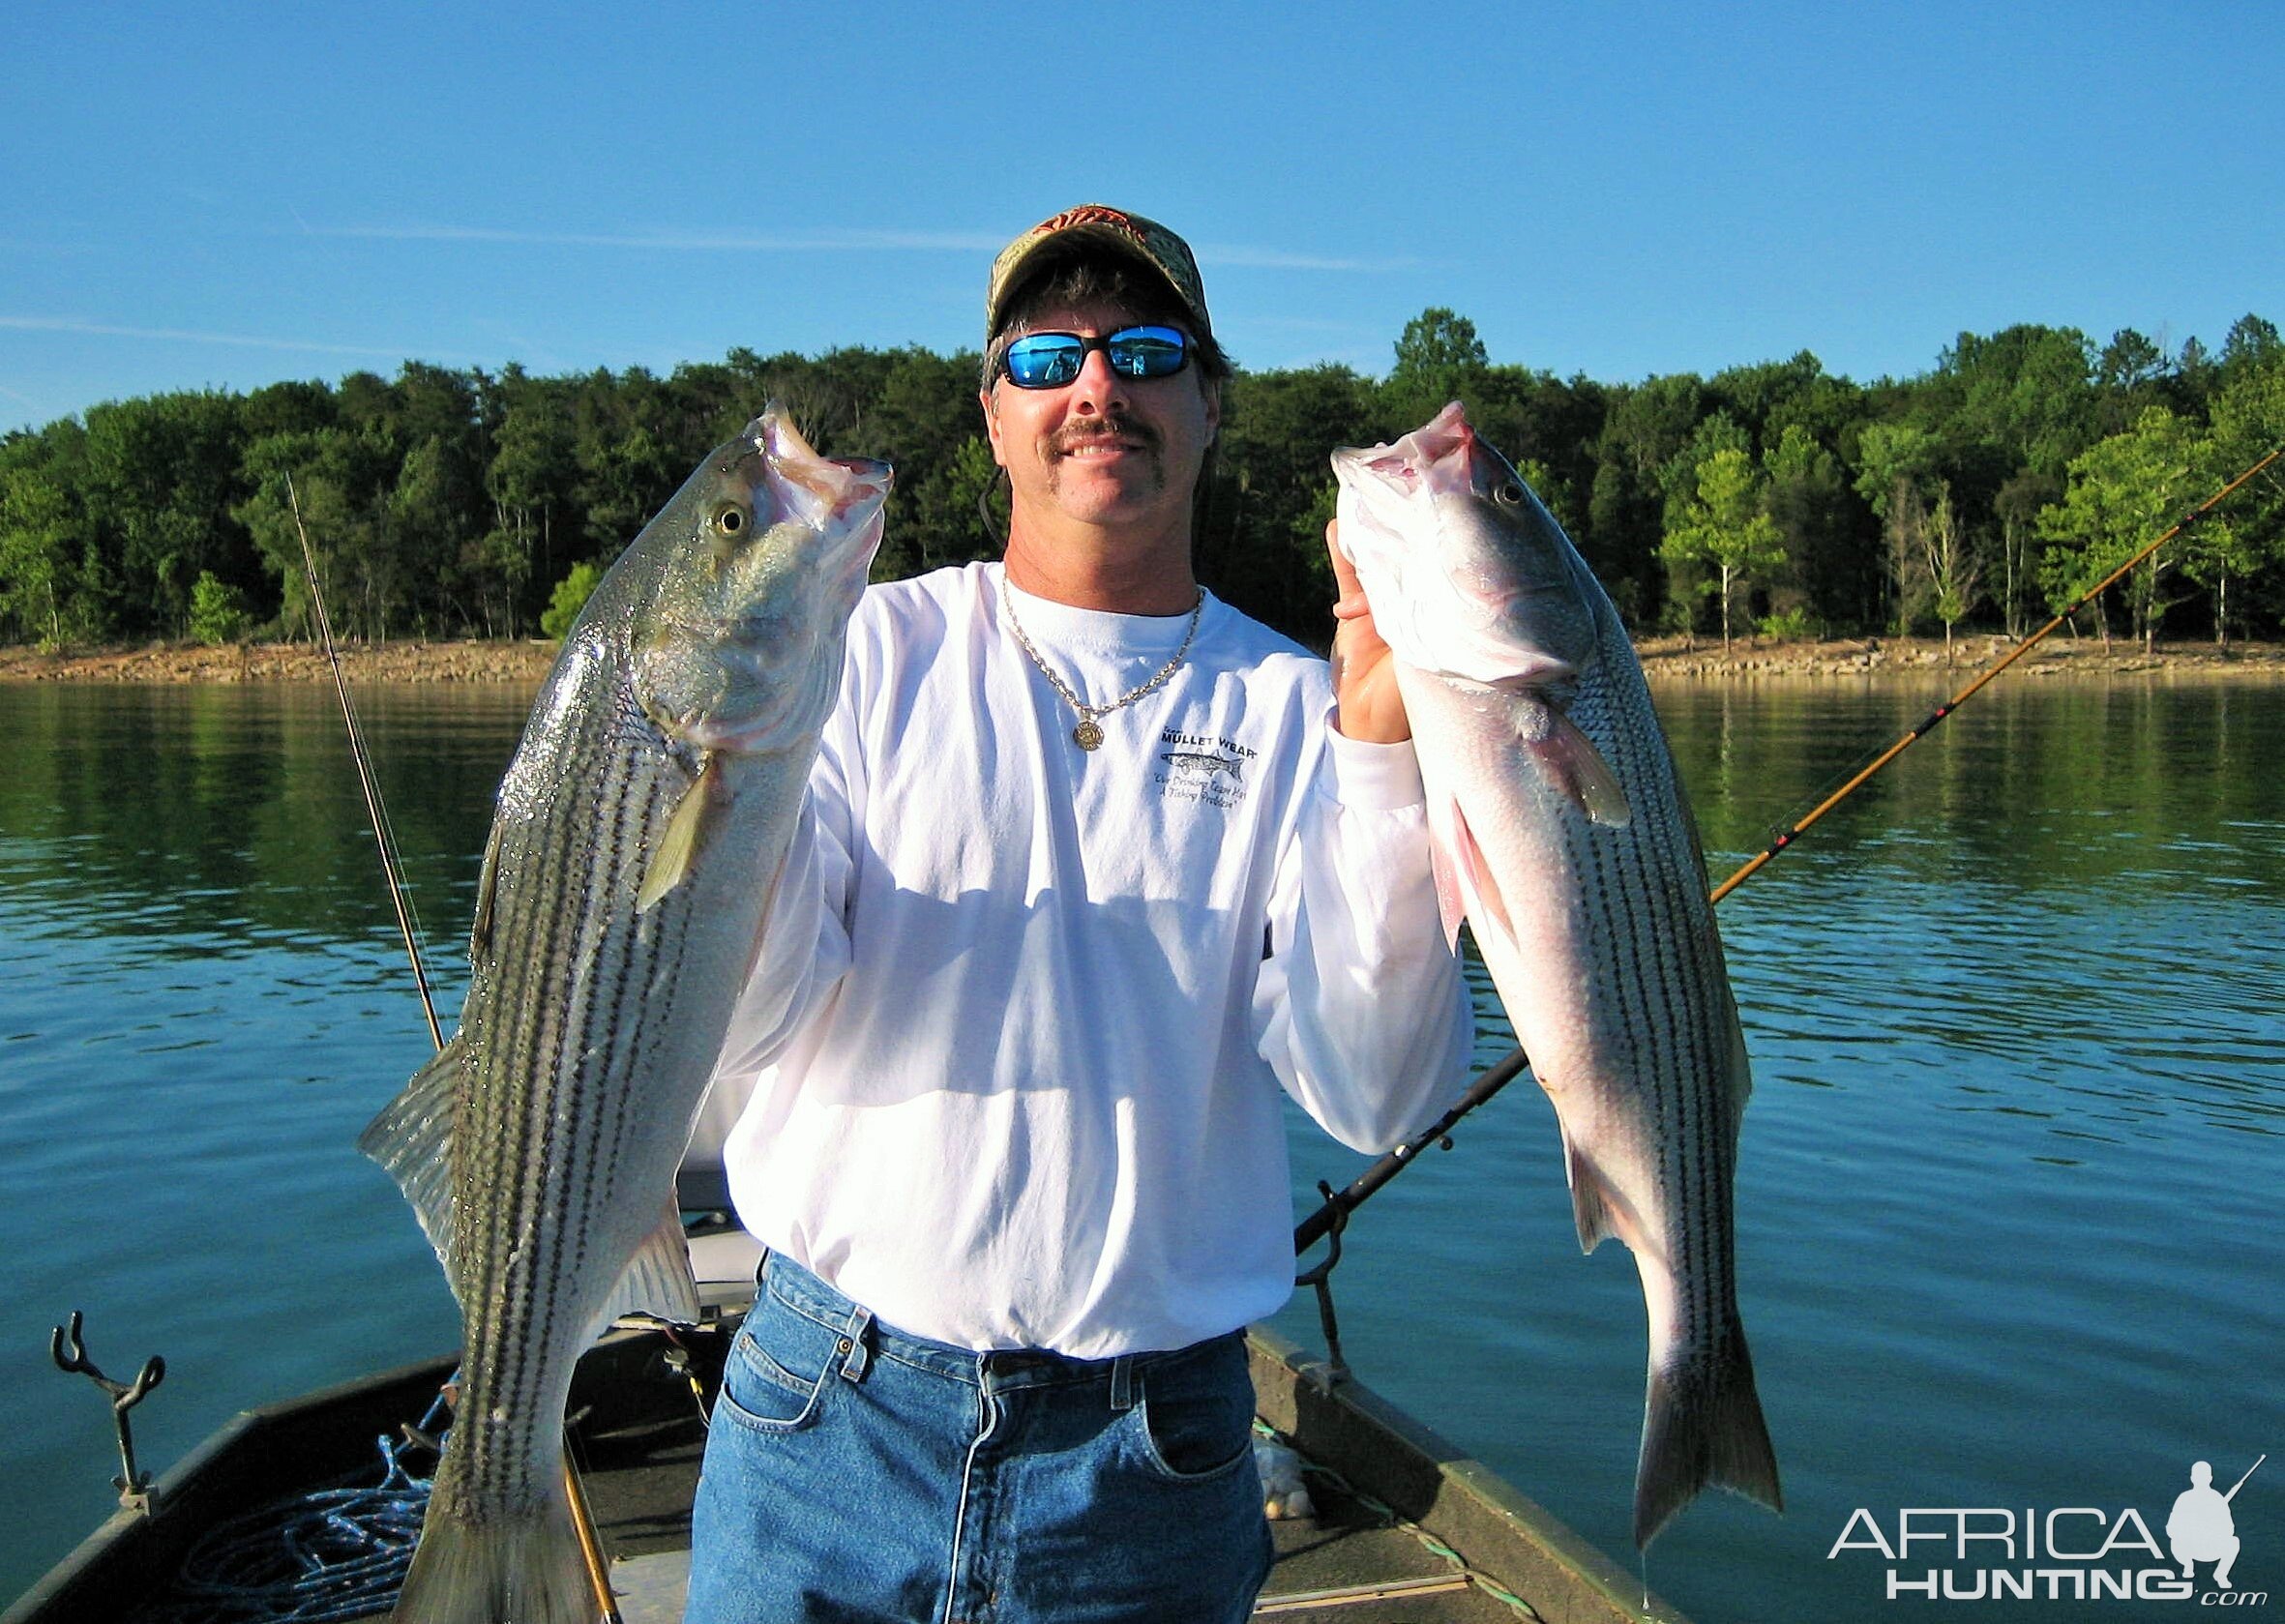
[392,860]
[1339,1205]
[393,869]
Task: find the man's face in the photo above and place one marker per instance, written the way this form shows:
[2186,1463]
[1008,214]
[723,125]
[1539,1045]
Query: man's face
[1104,449]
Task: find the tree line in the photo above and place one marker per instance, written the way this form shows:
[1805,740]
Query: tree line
[1775,499]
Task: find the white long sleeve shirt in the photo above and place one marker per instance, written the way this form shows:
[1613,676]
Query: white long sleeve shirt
[1011,1055]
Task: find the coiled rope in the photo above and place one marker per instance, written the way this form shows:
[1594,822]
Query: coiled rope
[327,1556]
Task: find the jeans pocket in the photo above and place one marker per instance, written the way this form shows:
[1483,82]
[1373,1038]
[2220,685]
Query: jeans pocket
[1196,1414]
[775,1376]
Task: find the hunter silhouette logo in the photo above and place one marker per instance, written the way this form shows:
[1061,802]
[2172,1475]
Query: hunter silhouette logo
[2201,1528]
[2066,1553]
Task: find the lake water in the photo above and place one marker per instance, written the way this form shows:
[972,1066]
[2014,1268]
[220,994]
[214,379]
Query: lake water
[2009,1233]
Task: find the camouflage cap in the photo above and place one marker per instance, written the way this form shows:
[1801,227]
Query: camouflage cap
[1132,235]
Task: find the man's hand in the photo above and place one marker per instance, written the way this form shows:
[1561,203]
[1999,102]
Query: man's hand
[1371,710]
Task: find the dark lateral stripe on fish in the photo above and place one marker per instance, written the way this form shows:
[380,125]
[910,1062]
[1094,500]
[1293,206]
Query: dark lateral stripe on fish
[538,1021]
[550,917]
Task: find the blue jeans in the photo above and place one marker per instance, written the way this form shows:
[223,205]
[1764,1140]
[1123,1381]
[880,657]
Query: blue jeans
[859,1475]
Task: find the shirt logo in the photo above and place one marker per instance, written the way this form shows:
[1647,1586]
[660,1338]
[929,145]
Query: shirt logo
[1197,767]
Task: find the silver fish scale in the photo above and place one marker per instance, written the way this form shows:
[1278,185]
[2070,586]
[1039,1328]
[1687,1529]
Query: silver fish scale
[571,987]
[1664,975]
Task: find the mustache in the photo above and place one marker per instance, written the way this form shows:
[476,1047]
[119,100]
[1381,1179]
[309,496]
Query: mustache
[1072,436]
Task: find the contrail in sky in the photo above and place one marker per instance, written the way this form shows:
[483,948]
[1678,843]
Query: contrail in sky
[821,242]
[248,341]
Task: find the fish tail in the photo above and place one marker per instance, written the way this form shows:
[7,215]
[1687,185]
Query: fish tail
[526,1569]
[1702,1424]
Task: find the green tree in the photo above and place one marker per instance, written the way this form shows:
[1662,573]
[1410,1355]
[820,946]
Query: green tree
[1440,359]
[1896,465]
[1821,525]
[161,476]
[341,478]
[217,611]
[2248,540]
[570,597]
[530,478]
[1725,528]
[1955,574]
[39,541]
[2124,493]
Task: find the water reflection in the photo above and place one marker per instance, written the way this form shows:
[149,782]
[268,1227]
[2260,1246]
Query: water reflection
[177,820]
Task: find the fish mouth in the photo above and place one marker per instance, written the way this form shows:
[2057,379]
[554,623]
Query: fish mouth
[1413,456]
[839,483]
[1445,434]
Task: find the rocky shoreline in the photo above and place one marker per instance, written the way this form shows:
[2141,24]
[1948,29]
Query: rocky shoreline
[1926,659]
[526,661]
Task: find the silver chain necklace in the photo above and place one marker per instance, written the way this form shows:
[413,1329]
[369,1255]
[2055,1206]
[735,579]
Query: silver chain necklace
[1089,734]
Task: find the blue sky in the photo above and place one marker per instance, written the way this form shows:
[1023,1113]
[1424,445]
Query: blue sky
[201,195]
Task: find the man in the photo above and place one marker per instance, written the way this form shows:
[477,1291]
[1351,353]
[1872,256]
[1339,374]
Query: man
[1093,865]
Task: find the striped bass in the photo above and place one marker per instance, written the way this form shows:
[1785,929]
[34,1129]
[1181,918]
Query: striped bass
[1558,829]
[640,833]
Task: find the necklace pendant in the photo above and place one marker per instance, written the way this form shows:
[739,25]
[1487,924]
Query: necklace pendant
[1087,736]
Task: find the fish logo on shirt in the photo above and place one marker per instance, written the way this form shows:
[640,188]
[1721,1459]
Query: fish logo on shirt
[1200,764]
[1203,768]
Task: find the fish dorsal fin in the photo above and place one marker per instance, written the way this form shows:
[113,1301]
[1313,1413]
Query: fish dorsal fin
[657,1280]
[1579,771]
[680,842]
[412,1139]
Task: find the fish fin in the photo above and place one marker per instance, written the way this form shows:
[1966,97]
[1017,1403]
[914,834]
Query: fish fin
[522,1563]
[1579,771]
[1591,1204]
[1475,875]
[487,881]
[1449,907]
[679,845]
[412,1139]
[657,1280]
[1702,1424]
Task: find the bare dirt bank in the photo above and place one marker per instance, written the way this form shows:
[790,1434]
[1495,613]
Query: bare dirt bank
[523,661]
[528,661]
[1924,659]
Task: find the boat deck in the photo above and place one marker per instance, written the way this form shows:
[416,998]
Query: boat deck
[1406,1529]
[1351,1562]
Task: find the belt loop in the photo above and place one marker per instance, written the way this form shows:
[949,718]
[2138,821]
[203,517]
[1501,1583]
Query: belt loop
[1122,1383]
[853,1339]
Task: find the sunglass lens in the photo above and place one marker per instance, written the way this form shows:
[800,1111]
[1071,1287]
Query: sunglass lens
[1148,352]
[1045,359]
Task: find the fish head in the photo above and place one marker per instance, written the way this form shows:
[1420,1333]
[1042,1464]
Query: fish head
[766,551]
[1467,572]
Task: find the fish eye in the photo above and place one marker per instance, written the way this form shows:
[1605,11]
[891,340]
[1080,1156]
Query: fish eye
[1509,494]
[727,519]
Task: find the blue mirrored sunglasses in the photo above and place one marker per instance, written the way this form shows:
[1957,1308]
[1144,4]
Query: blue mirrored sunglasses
[1052,360]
